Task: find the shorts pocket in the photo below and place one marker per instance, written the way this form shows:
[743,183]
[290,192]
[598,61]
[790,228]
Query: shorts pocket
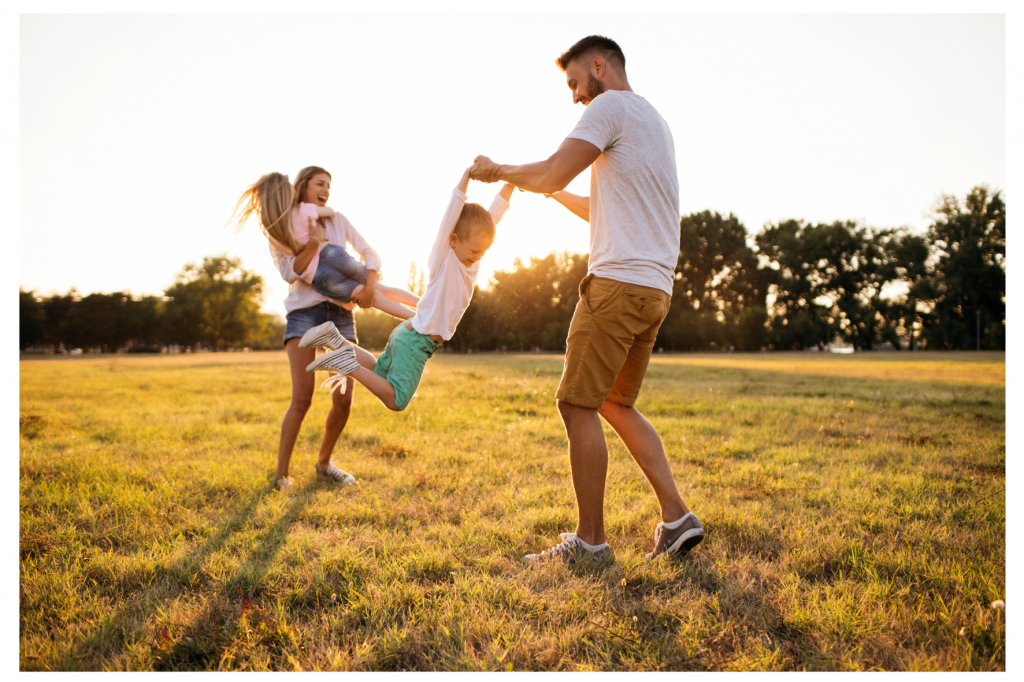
[596,292]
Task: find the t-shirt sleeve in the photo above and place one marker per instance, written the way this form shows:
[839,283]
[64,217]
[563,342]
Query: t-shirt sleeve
[600,123]
[498,208]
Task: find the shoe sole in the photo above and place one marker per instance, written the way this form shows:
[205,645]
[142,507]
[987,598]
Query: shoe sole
[683,544]
[314,336]
[349,480]
[316,364]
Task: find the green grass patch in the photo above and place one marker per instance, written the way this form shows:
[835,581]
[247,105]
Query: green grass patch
[854,508]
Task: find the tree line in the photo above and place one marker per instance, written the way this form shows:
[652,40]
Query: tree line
[794,285]
[214,304]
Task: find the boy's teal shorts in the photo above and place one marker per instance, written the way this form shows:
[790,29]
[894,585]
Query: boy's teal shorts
[403,360]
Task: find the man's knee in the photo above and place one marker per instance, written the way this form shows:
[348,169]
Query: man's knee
[610,409]
[572,414]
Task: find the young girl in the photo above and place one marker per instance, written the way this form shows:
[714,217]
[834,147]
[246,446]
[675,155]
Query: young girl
[466,232]
[292,226]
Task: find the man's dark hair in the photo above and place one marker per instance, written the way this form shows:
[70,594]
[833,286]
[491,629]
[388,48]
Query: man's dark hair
[606,47]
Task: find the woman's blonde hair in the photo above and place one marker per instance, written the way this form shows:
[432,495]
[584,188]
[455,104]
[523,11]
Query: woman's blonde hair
[270,198]
[303,178]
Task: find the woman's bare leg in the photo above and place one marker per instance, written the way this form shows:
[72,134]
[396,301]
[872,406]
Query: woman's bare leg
[303,384]
[341,408]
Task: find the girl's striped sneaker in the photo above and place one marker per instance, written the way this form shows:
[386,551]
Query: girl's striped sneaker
[342,361]
[324,335]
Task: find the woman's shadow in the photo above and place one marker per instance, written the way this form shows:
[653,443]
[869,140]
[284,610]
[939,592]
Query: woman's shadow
[192,649]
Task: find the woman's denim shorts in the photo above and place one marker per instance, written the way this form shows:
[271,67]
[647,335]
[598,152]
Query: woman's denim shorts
[302,320]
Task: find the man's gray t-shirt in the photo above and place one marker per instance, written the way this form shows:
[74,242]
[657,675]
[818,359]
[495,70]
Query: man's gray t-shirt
[634,191]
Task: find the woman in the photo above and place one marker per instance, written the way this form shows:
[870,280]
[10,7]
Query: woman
[306,309]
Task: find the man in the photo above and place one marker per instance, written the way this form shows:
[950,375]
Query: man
[633,212]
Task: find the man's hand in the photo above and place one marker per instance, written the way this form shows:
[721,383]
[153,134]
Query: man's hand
[485,170]
[317,231]
[365,298]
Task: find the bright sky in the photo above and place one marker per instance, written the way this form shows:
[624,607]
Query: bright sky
[138,132]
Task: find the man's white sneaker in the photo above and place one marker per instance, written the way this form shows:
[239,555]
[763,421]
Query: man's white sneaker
[334,473]
[570,551]
[324,335]
[343,361]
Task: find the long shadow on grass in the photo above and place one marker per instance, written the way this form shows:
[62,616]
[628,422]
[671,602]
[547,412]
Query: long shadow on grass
[115,633]
[202,644]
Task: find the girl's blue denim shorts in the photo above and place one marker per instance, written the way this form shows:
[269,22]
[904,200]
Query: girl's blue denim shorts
[302,320]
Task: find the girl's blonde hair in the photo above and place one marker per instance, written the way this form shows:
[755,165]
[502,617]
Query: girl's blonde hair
[303,178]
[270,198]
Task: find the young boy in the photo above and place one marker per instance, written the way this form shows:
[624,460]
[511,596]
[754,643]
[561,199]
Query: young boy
[466,232]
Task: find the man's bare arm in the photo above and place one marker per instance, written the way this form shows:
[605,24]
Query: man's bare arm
[574,202]
[546,177]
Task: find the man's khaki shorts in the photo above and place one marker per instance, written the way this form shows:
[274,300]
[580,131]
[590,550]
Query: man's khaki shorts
[610,342]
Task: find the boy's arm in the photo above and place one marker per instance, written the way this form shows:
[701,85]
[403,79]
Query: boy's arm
[451,217]
[574,202]
[464,181]
[500,203]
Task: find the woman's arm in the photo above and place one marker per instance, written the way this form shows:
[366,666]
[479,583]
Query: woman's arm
[575,203]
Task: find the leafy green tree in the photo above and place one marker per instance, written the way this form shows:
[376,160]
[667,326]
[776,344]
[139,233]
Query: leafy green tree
[216,303]
[719,294]
[30,318]
[970,270]
[793,252]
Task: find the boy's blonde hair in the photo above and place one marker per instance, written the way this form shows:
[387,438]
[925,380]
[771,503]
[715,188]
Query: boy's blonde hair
[473,219]
[270,198]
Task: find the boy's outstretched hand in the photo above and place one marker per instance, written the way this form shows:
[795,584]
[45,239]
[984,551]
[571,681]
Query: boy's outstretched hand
[484,170]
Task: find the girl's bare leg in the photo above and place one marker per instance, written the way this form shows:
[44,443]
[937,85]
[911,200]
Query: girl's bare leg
[400,295]
[385,305]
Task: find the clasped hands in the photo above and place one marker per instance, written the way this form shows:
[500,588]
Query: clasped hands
[485,170]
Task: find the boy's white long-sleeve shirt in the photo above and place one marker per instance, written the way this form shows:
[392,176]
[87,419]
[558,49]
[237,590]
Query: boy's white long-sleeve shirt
[339,231]
[450,286]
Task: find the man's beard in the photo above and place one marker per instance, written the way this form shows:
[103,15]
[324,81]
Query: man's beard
[594,86]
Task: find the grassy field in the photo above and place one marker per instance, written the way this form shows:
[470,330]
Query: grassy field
[854,508]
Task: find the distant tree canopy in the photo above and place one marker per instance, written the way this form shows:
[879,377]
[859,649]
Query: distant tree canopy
[792,285]
[215,304]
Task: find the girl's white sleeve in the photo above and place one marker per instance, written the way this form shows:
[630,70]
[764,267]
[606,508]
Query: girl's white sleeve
[351,235]
[498,207]
[451,216]
[285,263]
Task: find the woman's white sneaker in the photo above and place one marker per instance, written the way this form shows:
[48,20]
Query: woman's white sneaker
[334,473]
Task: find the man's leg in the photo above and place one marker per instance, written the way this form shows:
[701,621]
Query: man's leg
[588,460]
[645,446]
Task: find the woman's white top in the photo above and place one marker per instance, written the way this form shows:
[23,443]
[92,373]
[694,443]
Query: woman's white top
[450,286]
[339,232]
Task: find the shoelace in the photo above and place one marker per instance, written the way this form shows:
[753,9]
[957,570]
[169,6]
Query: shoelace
[657,533]
[334,472]
[336,383]
[569,541]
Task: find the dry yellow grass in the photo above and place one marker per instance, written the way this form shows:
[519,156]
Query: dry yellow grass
[854,508]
